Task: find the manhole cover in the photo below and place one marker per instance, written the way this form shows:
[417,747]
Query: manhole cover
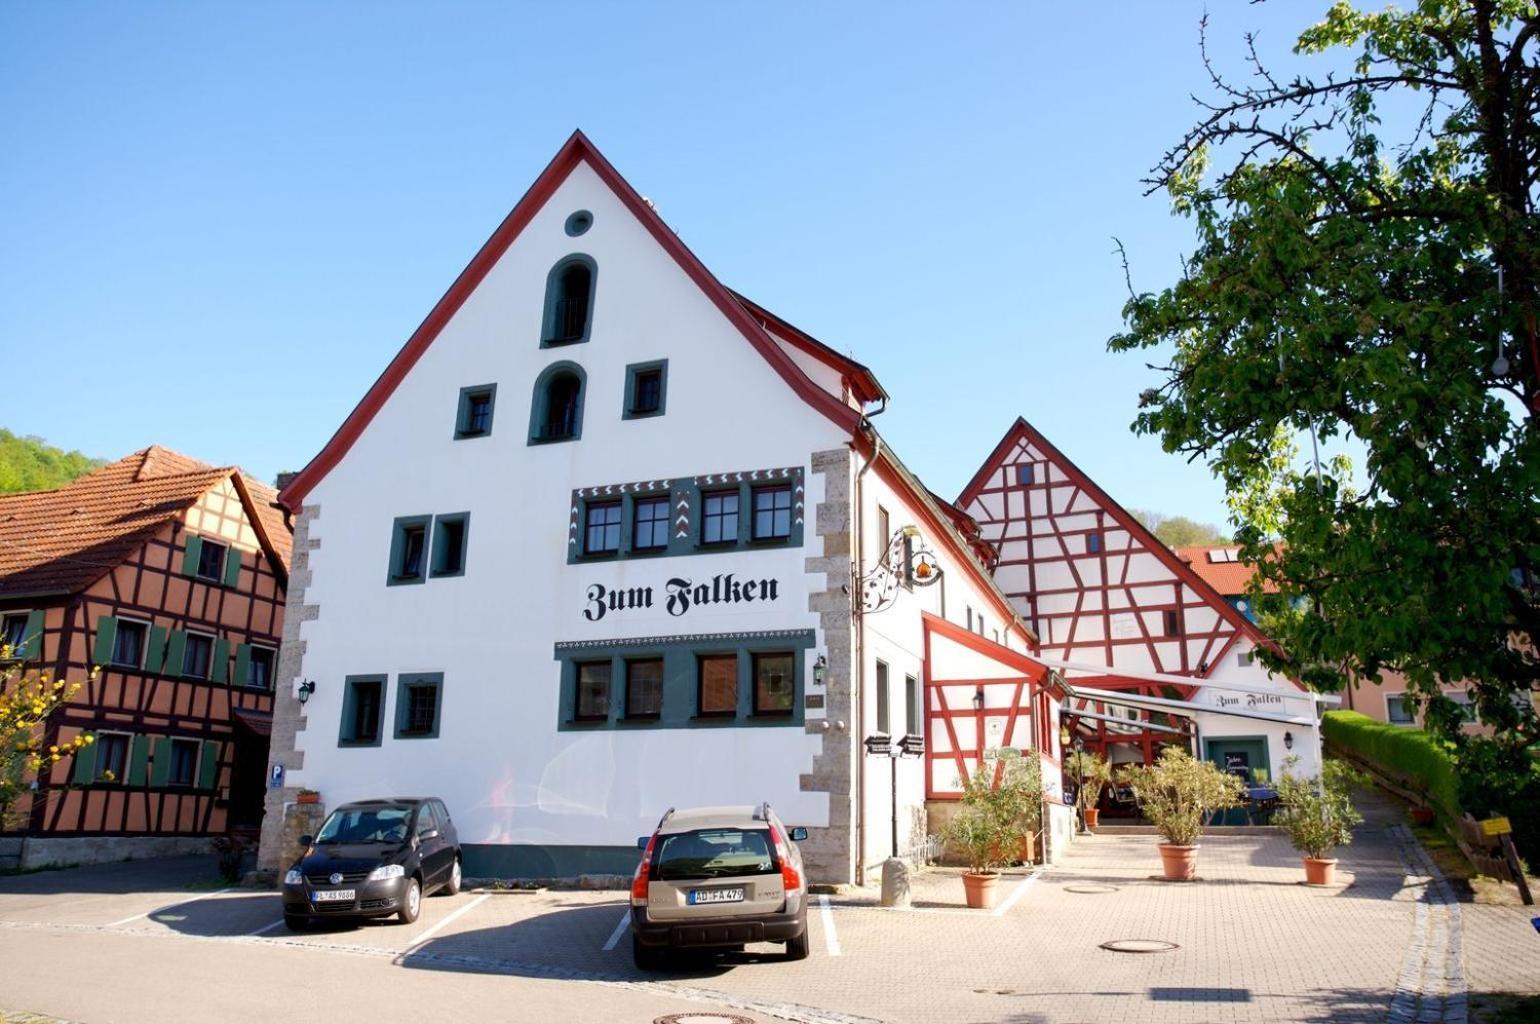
[1091,889]
[703,1018]
[1140,946]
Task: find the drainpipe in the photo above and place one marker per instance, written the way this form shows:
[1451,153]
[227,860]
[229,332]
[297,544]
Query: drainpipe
[858,523]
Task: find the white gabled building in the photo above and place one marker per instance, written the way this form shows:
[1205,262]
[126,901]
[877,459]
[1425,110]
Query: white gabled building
[606,537]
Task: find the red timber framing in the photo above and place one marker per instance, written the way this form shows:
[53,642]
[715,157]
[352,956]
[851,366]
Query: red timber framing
[1018,712]
[1093,583]
[220,719]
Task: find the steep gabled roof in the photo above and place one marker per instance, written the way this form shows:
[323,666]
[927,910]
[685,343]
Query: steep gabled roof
[61,541]
[862,382]
[577,150]
[1021,430]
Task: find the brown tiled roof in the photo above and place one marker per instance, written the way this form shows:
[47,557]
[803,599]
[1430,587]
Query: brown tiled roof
[63,540]
[1230,578]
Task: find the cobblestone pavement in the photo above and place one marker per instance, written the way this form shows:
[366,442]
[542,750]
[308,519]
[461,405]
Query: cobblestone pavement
[1252,944]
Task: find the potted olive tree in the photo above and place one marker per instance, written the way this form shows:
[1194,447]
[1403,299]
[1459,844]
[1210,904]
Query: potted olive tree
[1177,793]
[1319,815]
[1001,801]
[1091,773]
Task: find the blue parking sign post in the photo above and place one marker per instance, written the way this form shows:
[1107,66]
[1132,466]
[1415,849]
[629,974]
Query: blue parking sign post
[275,781]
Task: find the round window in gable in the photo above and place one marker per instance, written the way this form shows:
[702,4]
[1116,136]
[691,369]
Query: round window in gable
[579,222]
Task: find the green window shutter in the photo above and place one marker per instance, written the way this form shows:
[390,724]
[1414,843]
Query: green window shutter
[190,559]
[219,672]
[85,765]
[106,633]
[155,657]
[242,665]
[32,646]
[176,648]
[208,765]
[138,760]
[160,770]
[232,567]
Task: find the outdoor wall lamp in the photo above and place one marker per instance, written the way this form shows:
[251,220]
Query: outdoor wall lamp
[306,688]
[1288,741]
[819,667]
[1064,736]
[978,699]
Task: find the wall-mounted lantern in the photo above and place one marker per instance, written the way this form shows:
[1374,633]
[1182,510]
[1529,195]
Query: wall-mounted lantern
[306,688]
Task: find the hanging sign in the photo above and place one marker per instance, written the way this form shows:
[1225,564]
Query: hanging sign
[1496,827]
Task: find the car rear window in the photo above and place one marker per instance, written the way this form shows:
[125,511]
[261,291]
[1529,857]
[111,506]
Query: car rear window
[371,825]
[714,853]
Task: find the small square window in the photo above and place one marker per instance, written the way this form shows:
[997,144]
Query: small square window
[772,513]
[774,684]
[1398,710]
[409,550]
[593,691]
[884,725]
[13,633]
[128,644]
[1025,475]
[211,561]
[260,671]
[603,533]
[197,655]
[417,705]
[474,417]
[646,389]
[111,756]
[1172,622]
[649,528]
[1093,543]
[719,517]
[362,708]
[884,527]
[911,706]
[184,763]
[449,538]
[718,684]
[644,688]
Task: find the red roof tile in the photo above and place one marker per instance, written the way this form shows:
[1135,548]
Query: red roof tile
[1228,577]
[63,540]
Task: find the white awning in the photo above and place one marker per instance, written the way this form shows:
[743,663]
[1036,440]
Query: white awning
[1176,707]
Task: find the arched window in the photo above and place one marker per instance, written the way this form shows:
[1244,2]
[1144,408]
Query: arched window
[556,412]
[569,301]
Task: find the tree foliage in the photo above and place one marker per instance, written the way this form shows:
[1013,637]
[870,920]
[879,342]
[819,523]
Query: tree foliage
[1179,531]
[27,701]
[30,464]
[1344,285]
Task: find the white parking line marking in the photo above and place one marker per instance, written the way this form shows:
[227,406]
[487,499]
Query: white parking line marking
[620,929]
[831,939]
[265,928]
[169,906]
[1017,893]
[425,936]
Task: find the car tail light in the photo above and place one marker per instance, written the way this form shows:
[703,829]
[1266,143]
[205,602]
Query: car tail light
[639,880]
[790,879]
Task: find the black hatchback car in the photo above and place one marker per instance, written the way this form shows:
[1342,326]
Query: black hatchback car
[373,858]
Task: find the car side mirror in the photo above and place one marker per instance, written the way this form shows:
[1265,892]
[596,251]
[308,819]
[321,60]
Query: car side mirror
[307,841]
[798,833]
[642,841]
[431,833]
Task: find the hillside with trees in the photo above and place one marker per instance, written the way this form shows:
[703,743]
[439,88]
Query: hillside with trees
[31,464]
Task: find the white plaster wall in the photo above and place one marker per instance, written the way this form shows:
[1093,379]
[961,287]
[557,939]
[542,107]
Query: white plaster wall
[506,772]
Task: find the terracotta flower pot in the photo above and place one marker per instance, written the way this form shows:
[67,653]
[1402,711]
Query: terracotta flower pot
[980,889]
[1180,862]
[1320,870]
[308,798]
[1093,816]
[1422,815]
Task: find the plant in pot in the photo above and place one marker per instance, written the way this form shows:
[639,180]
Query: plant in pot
[1091,773]
[1319,815]
[1001,802]
[308,796]
[1177,793]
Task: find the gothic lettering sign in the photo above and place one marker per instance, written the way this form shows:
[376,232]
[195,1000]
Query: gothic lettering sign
[679,595]
[1250,701]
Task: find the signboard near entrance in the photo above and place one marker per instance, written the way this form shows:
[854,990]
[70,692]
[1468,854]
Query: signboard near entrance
[1496,827]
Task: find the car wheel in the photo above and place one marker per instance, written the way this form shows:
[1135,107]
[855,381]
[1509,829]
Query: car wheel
[296,922]
[645,957]
[411,905]
[796,948]
[452,886]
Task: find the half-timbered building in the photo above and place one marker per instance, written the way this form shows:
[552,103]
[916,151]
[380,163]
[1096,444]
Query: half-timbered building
[1155,654]
[167,575]
[607,537]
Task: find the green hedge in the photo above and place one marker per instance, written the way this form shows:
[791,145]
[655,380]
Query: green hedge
[1417,759]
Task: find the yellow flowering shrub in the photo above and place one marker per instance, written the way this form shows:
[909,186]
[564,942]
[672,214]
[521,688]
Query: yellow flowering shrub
[27,701]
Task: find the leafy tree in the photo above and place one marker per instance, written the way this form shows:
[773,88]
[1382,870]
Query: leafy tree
[27,701]
[1179,531]
[1347,286]
[30,464]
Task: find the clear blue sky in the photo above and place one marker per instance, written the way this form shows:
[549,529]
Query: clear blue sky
[218,223]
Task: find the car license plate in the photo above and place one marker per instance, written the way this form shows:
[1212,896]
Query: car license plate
[699,896]
[333,895]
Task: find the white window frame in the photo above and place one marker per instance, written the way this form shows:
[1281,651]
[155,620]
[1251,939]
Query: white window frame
[197,763]
[24,614]
[144,646]
[1412,720]
[208,673]
[272,680]
[204,543]
[128,753]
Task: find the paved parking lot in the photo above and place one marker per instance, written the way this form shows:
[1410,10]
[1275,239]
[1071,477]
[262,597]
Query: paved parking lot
[1251,944]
